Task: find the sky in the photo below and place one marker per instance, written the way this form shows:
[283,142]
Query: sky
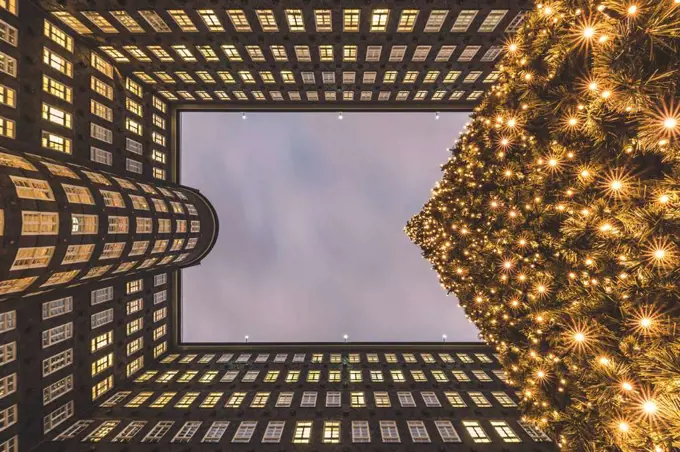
[312,212]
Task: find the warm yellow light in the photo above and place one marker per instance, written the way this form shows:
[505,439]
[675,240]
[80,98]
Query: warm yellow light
[512,122]
[604,360]
[623,427]
[507,264]
[552,162]
[626,386]
[616,185]
[632,10]
[659,253]
[579,337]
[588,32]
[670,123]
[649,407]
[663,199]
[585,173]
[573,121]
[606,227]
[592,86]
[606,94]
[540,374]
[513,47]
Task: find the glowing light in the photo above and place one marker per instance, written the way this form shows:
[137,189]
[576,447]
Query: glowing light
[632,10]
[645,322]
[624,427]
[572,121]
[512,122]
[592,86]
[540,374]
[588,32]
[649,407]
[663,199]
[579,337]
[606,94]
[670,123]
[512,47]
[626,386]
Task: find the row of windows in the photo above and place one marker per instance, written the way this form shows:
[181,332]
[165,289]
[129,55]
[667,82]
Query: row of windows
[47,223]
[334,358]
[44,192]
[304,432]
[336,376]
[313,96]
[377,20]
[40,257]
[307,399]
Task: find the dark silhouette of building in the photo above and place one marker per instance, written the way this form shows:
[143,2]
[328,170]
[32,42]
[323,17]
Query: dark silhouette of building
[94,226]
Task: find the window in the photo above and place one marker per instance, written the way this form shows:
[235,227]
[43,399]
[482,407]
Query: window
[360,432]
[101,364]
[455,399]
[55,34]
[476,432]
[236,398]
[187,432]
[463,21]
[389,432]
[334,376]
[357,399]
[440,376]
[299,358]
[285,399]
[101,341]
[51,392]
[479,399]
[447,432]
[101,318]
[8,321]
[32,258]
[350,19]
[211,400]
[430,399]
[100,156]
[418,376]
[101,133]
[57,334]
[187,399]
[260,400]
[503,399]
[101,110]
[349,53]
[418,431]
[308,399]
[77,253]
[406,399]
[435,20]
[158,432]
[70,433]
[377,376]
[50,421]
[481,376]
[215,432]
[101,88]
[57,116]
[397,376]
[102,387]
[460,375]
[129,432]
[134,286]
[313,376]
[50,364]
[244,432]
[57,89]
[534,432]
[506,433]
[39,223]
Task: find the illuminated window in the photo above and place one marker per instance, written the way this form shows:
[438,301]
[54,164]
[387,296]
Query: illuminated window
[8,64]
[114,54]
[187,399]
[50,86]
[350,19]
[451,77]
[101,110]
[313,376]
[295,20]
[56,35]
[210,20]
[389,432]
[78,195]
[463,21]
[260,400]
[377,376]
[279,53]
[267,20]
[355,376]
[32,188]
[56,116]
[431,77]
[481,376]
[476,432]
[357,399]
[101,65]
[184,53]
[239,20]
[137,53]
[235,400]
[479,399]
[379,19]
[410,77]
[349,53]
[161,54]
[101,364]
[39,223]
[32,257]
[102,388]
[326,53]
[231,52]
[182,20]
[101,341]
[84,224]
[77,253]
[303,432]
[418,376]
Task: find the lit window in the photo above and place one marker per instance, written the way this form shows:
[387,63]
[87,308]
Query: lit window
[407,20]
[279,53]
[476,432]
[56,34]
[431,77]
[376,376]
[382,400]
[481,376]
[50,58]
[349,53]
[313,376]
[114,54]
[101,341]
[56,116]
[260,400]
[295,20]
[101,65]
[211,400]
[379,19]
[211,20]
[182,20]
[350,19]
[271,376]
[239,20]
[187,399]
[322,19]
[303,432]
[326,53]
[267,20]
[101,364]
[32,188]
[503,399]
[418,376]
[357,399]
[460,375]
[32,257]
[479,399]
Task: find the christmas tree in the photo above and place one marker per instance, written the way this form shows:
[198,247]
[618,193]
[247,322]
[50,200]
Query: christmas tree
[557,221]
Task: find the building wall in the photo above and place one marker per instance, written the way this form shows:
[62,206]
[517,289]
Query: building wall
[199,386]
[46,119]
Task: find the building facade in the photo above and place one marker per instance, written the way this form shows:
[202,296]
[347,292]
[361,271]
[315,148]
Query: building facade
[382,397]
[95,226]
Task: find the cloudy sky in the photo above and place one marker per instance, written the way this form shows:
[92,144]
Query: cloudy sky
[311,243]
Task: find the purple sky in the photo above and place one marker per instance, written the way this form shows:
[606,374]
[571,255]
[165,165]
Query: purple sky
[311,243]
